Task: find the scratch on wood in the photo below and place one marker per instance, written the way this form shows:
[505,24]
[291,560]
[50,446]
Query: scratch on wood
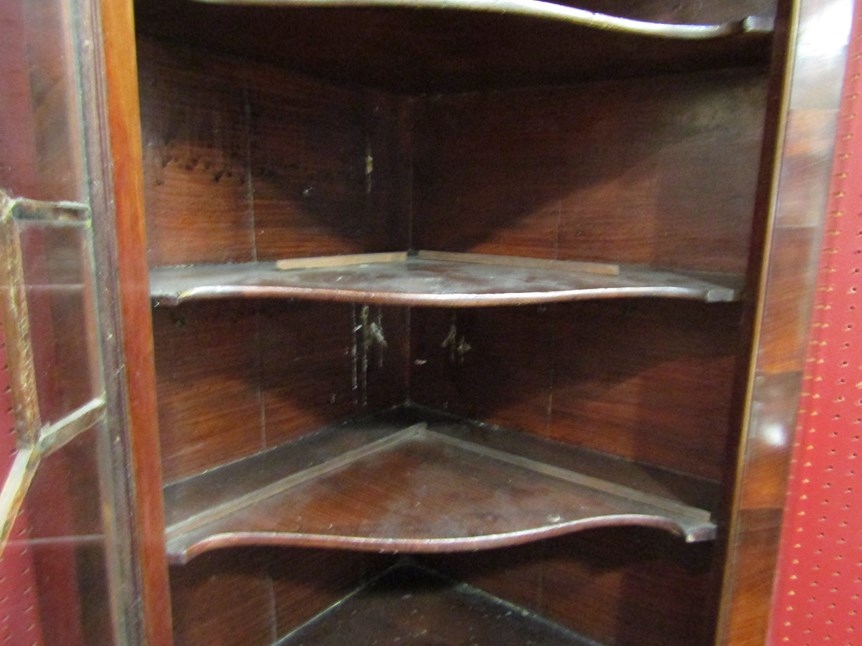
[457,344]
[368,337]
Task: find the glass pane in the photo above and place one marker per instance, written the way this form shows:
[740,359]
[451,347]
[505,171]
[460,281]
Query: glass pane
[41,144]
[58,276]
[53,571]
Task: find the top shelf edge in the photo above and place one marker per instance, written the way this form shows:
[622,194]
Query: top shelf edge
[436,283]
[755,25]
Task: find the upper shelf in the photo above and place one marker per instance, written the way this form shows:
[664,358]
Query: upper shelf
[452,45]
[554,11]
[411,481]
[431,279]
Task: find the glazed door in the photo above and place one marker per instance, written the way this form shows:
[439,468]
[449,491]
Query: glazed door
[66,574]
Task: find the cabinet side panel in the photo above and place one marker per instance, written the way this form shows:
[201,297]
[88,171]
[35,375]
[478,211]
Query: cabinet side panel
[663,172]
[237,377]
[245,162]
[207,381]
[196,165]
[658,172]
[797,173]
[254,596]
[647,380]
[818,586]
[324,170]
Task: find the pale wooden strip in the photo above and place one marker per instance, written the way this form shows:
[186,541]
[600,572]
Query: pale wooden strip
[604,269]
[325,262]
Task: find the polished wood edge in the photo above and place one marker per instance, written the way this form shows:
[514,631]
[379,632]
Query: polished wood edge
[543,10]
[743,609]
[125,152]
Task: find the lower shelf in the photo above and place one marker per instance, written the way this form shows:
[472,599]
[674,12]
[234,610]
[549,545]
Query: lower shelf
[414,481]
[410,605]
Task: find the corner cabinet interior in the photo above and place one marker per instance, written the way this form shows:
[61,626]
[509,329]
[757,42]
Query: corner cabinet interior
[451,305]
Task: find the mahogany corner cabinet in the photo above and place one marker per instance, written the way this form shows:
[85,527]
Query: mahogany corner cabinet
[385,321]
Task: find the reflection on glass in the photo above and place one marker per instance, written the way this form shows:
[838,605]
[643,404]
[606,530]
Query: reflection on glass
[41,141]
[58,279]
[53,572]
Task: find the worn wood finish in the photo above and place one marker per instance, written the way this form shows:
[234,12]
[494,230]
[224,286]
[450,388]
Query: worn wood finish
[426,282]
[316,262]
[118,187]
[433,50]
[237,377]
[408,600]
[491,365]
[258,163]
[648,380]
[195,158]
[424,488]
[319,159]
[689,12]
[326,363]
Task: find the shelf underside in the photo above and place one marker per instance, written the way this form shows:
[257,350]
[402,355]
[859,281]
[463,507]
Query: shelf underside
[414,606]
[453,46]
[424,282]
[396,484]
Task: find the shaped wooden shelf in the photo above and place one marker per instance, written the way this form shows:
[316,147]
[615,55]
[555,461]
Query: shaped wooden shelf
[454,45]
[559,12]
[411,481]
[412,602]
[432,279]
